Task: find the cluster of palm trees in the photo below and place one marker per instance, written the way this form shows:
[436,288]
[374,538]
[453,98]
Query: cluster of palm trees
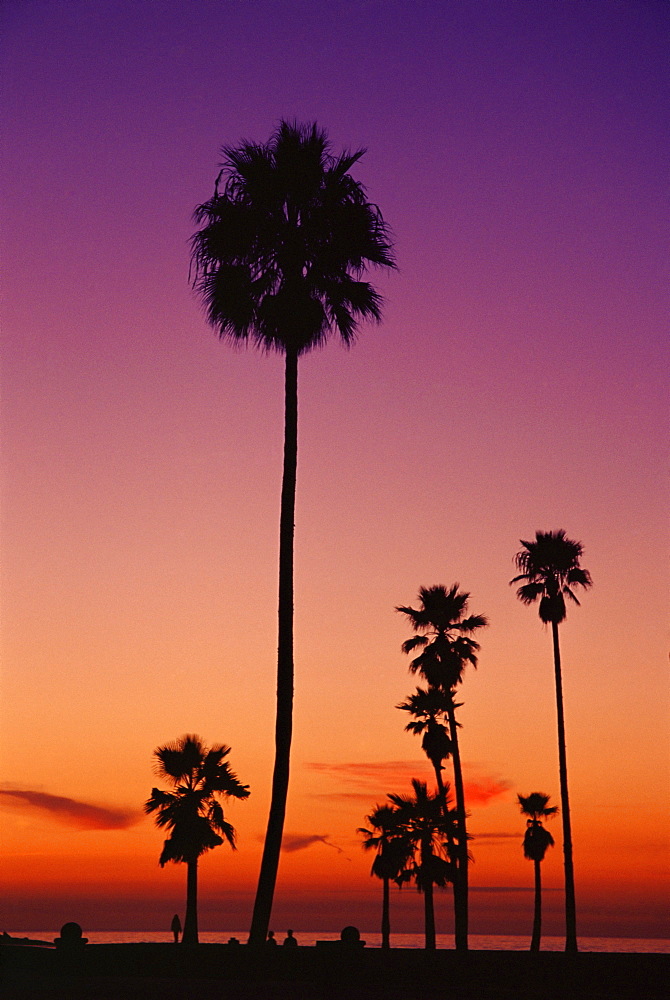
[413,837]
[549,571]
[423,835]
[279,260]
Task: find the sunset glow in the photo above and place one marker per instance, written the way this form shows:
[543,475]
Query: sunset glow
[517,382]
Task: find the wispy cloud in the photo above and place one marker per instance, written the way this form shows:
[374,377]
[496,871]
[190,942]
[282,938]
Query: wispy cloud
[71,812]
[489,836]
[511,888]
[300,841]
[365,780]
[481,787]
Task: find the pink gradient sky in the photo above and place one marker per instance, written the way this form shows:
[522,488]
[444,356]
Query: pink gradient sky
[517,383]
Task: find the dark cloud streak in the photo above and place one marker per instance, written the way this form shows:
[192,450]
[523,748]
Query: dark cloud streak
[300,842]
[81,815]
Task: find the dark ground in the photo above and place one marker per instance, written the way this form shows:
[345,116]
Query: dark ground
[221,972]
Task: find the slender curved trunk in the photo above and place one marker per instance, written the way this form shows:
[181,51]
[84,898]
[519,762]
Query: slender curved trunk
[442,792]
[461,875]
[284,722]
[537,916]
[570,908]
[451,847]
[190,935]
[429,915]
[386,914]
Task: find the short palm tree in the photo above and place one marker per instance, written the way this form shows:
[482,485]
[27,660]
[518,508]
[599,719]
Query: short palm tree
[191,810]
[424,831]
[535,844]
[279,260]
[549,568]
[385,837]
[444,634]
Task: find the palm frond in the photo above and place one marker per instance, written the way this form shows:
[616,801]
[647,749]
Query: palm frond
[536,805]
[416,642]
[529,592]
[472,623]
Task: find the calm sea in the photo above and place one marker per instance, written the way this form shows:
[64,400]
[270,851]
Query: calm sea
[478,942]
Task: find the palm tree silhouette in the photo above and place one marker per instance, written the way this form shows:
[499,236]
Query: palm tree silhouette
[535,844]
[444,635]
[385,837]
[279,260]
[429,708]
[550,568]
[191,811]
[424,831]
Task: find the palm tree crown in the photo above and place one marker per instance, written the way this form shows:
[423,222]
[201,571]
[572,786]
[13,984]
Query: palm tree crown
[283,246]
[384,837]
[550,568]
[191,810]
[428,708]
[536,839]
[444,635]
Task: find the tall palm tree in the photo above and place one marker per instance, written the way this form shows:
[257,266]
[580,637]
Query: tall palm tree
[535,844]
[279,260]
[385,837]
[424,830]
[444,634]
[191,811]
[549,568]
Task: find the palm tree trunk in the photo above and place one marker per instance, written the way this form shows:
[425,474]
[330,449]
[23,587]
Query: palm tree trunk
[284,722]
[461,875]
[570,908]
[190,935]
[451,847]
[386,914]
[537,916]
[442,792]
[429,914]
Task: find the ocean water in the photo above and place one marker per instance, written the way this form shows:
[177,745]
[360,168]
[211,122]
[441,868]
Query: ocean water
[478,942]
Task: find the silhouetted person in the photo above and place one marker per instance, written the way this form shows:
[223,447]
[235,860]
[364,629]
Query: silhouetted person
[271,939]
[175,927]
[289,941]
[70,937]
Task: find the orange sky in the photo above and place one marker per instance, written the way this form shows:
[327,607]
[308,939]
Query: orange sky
[517,383]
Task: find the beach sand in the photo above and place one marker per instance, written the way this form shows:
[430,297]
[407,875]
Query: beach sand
[219,972]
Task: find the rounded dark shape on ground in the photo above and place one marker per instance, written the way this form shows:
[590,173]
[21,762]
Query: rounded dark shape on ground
[70,936]
[350,935]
